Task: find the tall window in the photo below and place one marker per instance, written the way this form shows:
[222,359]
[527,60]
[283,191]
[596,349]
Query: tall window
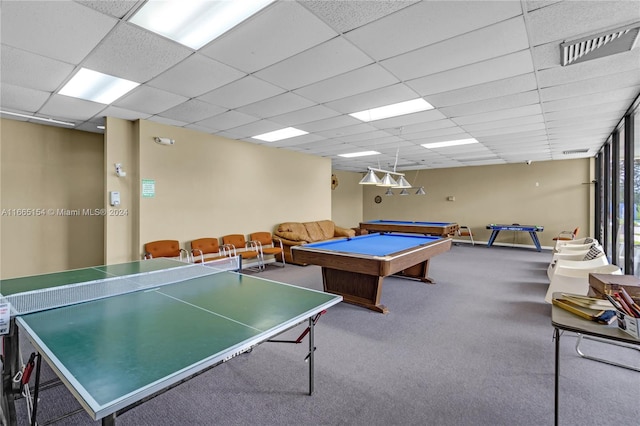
[636,190]
[619,208]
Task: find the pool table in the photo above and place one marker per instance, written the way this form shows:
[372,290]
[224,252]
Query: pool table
[355,267]
[443,229]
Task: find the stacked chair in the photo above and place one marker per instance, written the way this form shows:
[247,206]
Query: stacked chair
[571,265]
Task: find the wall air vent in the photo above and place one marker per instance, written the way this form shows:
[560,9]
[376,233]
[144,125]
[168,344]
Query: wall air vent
[599,45]
[575,151]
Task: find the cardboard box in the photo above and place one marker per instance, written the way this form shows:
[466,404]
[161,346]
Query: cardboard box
[601,284]
[628,324]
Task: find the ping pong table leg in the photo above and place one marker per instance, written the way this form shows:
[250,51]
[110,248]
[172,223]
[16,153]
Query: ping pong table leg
[311,353]
[109,420]
[534,237]
[494,234]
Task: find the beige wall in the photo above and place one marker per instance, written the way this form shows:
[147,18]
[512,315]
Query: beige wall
[211,186]
[52,187]
[346,199]
[550,193]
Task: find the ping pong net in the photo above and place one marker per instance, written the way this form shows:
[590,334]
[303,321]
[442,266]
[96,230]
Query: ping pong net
[70,294]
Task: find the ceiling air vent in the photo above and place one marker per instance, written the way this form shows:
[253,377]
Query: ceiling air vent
[599,45]
[575,151]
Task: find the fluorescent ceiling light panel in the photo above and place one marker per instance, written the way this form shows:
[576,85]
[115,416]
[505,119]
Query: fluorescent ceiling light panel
[195,23]
[278,135]
[97,87]
[394,110]
[358,154]
[449,143]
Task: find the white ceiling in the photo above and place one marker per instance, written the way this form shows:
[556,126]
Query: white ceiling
[491,69]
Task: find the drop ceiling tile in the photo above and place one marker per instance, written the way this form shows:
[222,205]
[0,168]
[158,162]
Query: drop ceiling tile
[191,111]
[52,28]
[195,76]
[588,112]
[278,32]
[579,121]
[351,83]
[242,92]
[346,131]
[508,130]
[276,105]
[377,137]
[73,108]
[493,104]
[425,23]
[626,61]
[482,72]
[569,126]
[305,115]
[624,96]
[16,98]
[613,81]
[528,119]
[418,136]
[425,127]
[149,100]
[329,59]
[135,54]
[547,56]
[344,16]
[483,91]
[498,115]
[329,123]
[32,71]
[571,19]
[513,137]
[475,46]
[227,120]
[116,8]
[373,99]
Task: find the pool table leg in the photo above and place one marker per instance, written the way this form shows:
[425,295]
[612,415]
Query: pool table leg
[355,288]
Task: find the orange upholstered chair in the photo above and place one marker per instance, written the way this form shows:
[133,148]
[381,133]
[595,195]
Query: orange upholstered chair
[206,249]
[165,248]
[267,246]
[237,245]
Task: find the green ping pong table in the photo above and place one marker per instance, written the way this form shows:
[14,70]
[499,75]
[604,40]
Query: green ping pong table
[112,333]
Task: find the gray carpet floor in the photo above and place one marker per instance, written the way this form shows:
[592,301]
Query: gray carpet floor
[476,348]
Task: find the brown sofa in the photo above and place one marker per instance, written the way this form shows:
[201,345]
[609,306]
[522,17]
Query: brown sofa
[297,233]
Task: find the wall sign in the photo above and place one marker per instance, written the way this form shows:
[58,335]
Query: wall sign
[148,188]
